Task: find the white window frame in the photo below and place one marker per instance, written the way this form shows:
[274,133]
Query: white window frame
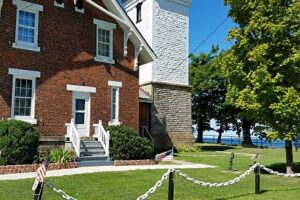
[33,8]
[115,85]
[110,27]
[28,75]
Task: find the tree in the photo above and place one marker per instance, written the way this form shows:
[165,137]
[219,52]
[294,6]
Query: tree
[208,95]
[263,66]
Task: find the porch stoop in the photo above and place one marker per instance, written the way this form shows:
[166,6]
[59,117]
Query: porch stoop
[92,153]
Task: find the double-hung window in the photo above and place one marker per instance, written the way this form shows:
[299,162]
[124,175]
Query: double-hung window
[27,22]
[115,102]
[23,94]
[104,41]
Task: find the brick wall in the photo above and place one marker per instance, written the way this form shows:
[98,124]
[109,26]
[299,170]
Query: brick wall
[68,46]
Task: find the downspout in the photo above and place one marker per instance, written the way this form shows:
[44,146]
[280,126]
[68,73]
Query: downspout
[107,12]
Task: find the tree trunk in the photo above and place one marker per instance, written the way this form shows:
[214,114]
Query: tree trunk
[289,157]
[200,135]
[246,125]
[220,134]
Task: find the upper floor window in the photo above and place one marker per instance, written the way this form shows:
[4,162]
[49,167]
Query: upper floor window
[23,94]
[115,98]
[104,41]
[139,13]
[27,21]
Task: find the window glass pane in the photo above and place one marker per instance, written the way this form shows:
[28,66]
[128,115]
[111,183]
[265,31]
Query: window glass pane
[22,102]
[27,111]
[28,103]
[80,104]
[79,118]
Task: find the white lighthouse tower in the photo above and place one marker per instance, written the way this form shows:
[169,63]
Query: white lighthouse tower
[165,26]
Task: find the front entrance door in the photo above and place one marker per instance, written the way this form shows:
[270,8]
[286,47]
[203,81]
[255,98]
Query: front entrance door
[81,113]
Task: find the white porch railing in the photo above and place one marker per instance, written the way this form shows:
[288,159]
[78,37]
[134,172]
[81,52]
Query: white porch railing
[73,134]
[102,136]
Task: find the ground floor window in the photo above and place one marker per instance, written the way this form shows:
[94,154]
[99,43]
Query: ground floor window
[23,94]
[115,102]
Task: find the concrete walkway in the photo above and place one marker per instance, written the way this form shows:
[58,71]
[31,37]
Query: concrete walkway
[85,170]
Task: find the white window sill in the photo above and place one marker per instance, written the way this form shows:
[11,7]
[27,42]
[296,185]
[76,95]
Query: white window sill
[79,10]
[37,49]
[29,120]
[61,5]
[104,60]
[114,123]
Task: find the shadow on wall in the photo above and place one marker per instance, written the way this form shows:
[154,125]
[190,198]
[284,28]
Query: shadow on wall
[162,140]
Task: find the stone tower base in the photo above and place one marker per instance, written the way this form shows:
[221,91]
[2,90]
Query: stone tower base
[171,117]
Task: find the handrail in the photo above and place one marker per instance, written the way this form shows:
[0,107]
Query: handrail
[145,128]
[102,136]
[73,134]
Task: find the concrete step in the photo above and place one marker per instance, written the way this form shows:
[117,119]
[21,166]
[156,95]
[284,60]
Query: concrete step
[86,153]
[93,158]
[84,144]
[95,163]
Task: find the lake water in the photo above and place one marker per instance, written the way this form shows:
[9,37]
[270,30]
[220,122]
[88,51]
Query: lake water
[233,140]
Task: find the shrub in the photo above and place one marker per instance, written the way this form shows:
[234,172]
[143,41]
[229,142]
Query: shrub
[187,149]
[126,144]
[19,142]
[62,155]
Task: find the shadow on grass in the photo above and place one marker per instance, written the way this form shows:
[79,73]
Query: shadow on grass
[236,196]
[281,167]
[262,191]
[215,148]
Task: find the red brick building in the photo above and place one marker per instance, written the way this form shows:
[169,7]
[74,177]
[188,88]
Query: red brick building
[60,62]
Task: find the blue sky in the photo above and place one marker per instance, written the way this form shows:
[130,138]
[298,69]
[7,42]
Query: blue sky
[205,16]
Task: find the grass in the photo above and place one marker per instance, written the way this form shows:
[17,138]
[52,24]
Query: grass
[129,185]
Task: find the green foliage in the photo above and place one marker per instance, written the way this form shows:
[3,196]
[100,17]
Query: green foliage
[208,94]
[62,155]
[126,144]
[180,149]
[41,157]
[263,66]
[19,142]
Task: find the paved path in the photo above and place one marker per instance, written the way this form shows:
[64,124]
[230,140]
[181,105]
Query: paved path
[85,170]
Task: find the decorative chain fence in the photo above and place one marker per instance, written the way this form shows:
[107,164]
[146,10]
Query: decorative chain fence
[170,174]
[255,168]
[156,186]
[221,184]
[58,191]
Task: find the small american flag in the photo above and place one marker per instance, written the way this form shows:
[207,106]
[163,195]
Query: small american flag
[165,156]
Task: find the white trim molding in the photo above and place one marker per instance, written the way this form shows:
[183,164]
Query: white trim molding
[115,83]
[79,10]
[31,8]
[60,5]
[107,27]
[78,88]
[21,73]
[27,75]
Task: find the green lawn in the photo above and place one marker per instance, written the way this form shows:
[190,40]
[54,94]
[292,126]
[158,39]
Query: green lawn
[129,185]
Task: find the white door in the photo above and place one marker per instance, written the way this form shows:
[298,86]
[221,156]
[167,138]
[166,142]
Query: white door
[81,113]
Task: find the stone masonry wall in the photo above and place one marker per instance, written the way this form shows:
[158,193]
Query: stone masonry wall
[171,115]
